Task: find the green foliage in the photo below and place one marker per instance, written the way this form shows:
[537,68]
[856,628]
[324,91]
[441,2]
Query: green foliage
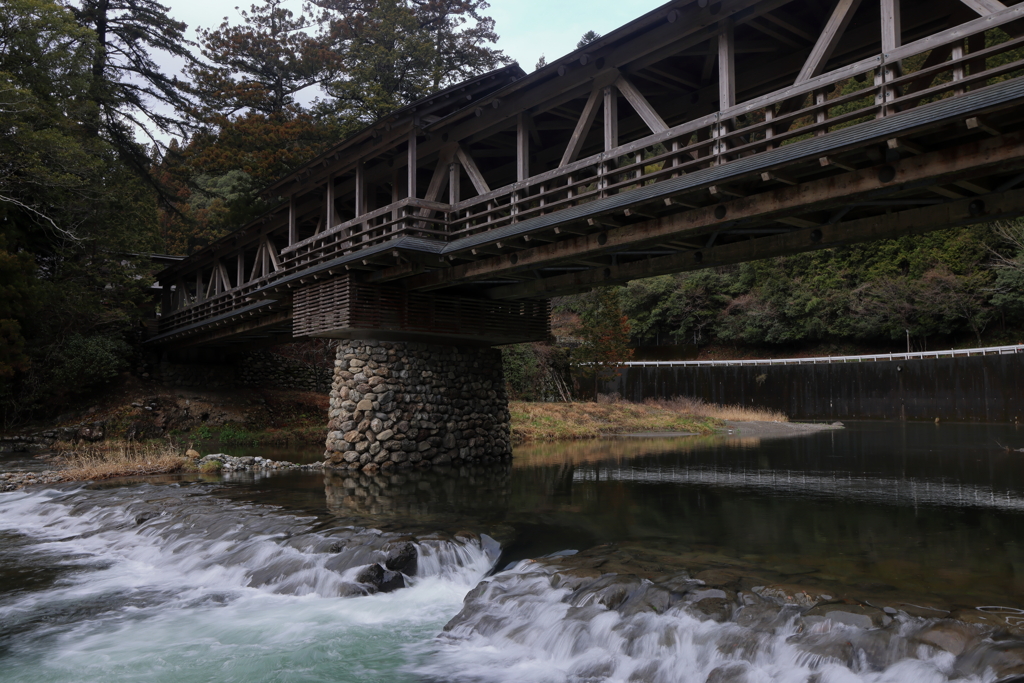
[232,434]
[587,38]
[604,332]
[950,284]
[72,211]
[393,52]
[202,432]
[88,361]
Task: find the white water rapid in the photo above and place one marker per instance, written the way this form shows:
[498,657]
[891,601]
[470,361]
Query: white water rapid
[172,584]
[166,583]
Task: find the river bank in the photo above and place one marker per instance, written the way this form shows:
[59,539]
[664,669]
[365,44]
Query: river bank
[168,431]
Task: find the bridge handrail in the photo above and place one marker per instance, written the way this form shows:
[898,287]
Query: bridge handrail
[818,360]
[377,213]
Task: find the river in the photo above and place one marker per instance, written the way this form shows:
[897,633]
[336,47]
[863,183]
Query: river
[880,552]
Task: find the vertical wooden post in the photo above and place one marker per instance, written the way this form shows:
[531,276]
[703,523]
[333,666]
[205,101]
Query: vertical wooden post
[611,136]
[891,39]
[330,217]
[611,118]
[891,30]
[360,189]
[396,196]
[240,268]
[200,292]
[726,64]
[166,302]
[293,221]
[454,182]
[769,131]
[821,116]
[958,70]
[411,182]
[522,146]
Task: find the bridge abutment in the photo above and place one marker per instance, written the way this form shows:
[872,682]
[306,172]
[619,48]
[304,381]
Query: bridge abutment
[396,405]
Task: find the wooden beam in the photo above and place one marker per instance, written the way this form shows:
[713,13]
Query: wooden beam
[611,118]
[773,33]
[439,179]
[640,104]
[522,146]
[891,31]
[472,170]
[411,164]
[984,7]
[360,189]
[579,135]
[829,38]
[790,25]
[726,65]
[293,220]
[454,182]
[330,215]
[971,160]
[915,221]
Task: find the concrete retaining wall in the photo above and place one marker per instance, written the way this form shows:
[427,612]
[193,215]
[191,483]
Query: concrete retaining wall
[978,388]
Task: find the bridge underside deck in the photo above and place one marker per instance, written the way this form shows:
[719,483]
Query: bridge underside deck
[926,135]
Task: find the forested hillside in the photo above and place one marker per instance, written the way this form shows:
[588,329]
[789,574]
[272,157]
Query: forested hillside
[106,155]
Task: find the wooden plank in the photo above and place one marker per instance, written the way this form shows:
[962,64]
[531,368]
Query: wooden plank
[640,104]
[829,39]
[472,170]
[984,7]
[522,146]
[579,135]
[611,118]
[727,65]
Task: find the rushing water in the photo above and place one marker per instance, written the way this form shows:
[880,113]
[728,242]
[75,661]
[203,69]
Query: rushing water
[698,561]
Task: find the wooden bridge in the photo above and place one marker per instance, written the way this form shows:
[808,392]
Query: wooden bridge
[702,134]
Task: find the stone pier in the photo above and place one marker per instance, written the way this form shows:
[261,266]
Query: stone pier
[396,405]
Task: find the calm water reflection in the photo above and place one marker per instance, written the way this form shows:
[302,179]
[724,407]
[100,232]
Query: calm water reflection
[921,513]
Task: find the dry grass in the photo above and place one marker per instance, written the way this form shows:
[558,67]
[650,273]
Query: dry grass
[119,459]
[565,421]
[697,407]
[611,415]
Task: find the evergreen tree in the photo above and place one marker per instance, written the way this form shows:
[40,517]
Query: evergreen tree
[604,331]
[397,51]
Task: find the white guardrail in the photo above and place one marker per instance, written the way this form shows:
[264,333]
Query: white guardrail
[922,355]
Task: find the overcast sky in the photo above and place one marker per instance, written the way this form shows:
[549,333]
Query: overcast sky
[528,28]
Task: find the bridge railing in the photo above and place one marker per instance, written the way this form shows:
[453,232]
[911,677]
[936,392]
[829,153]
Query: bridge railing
[946,64]
[412,216]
